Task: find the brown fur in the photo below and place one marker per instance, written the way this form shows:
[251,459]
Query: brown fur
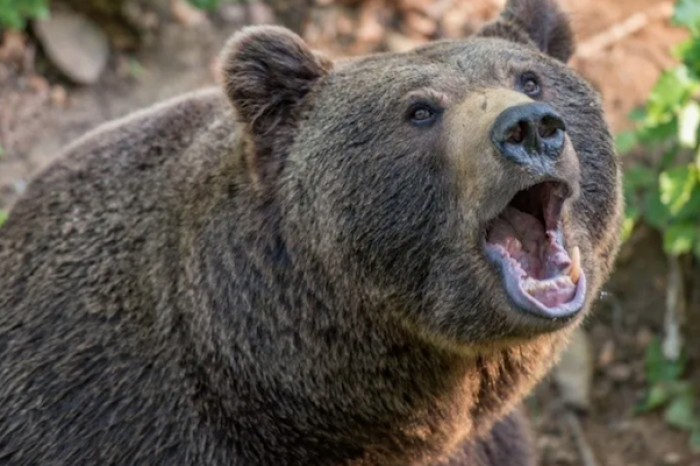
[288,272]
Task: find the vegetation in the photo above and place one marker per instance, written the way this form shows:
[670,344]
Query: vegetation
[207,4]
[666,194]
[15,13]
[670,392]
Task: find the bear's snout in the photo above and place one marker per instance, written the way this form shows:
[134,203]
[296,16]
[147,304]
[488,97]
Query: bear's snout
[530,134]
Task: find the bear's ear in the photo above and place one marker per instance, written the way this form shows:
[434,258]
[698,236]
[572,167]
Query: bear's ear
[541,22]
[267,71]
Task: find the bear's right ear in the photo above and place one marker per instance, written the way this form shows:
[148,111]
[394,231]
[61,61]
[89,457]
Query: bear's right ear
[538,22]
[267,71]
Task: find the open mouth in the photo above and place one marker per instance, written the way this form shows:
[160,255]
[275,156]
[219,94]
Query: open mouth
[527,245]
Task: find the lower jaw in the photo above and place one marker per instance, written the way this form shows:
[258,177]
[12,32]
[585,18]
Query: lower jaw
[527,303]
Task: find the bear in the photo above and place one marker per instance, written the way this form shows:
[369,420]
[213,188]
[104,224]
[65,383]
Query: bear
[367,262]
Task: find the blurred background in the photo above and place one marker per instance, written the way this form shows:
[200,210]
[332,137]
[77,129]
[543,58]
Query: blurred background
[626,392]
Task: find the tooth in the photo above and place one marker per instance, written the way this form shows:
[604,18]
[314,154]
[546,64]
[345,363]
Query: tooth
[513,245]
[575,270]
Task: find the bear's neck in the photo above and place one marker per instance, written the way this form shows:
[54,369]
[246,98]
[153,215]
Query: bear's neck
[294,374]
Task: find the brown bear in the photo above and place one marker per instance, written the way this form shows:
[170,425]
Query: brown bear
[362,263]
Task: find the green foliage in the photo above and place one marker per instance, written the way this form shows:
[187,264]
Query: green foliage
[3,217]
[15,13]
[666,196]
[207,4]
[687,13]
[669,392]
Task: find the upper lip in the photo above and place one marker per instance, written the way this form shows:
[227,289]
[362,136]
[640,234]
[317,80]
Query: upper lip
[565,191]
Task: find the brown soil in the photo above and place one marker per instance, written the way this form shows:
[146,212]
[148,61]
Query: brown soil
[40,113]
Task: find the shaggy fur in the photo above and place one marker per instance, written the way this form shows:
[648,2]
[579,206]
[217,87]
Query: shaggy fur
[288,272]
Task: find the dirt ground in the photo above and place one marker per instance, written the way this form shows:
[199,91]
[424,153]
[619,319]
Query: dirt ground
[623,46]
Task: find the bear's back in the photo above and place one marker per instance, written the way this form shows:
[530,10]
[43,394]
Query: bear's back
[87,349]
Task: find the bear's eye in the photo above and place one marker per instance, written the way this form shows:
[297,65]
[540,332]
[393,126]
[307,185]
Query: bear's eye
[422,114]
[530,85]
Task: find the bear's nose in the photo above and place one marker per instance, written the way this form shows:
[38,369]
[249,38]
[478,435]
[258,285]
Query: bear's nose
[526,133]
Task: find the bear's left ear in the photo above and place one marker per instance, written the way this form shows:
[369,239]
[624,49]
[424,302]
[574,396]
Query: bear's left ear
[267,71]
[540,22]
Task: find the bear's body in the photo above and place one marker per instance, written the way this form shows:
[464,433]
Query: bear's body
[299,278]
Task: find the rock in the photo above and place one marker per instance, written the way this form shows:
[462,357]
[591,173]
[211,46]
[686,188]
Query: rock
[371,29]
[574,372]
[644,337]
[37,84]
[76,46]
[607,354]
[260,13]
[400,43]
[58,96]
[186,14]
[619,372]
[13,45]
[19,186]
[233,13]
[672,459]
[418,25]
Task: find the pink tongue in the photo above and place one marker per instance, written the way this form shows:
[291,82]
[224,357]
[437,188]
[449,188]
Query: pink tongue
[523,236]
[556,296]
[517,224]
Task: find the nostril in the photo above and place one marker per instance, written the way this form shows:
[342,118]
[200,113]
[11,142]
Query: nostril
[526,132]
[517,133]
[549,126]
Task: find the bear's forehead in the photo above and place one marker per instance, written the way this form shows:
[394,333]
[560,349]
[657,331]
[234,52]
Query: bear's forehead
[446,64]
[462,54]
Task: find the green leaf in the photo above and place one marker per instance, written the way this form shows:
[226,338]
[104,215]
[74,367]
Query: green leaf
[663,392]
[676,187]
[688,52]
[681,412]
[3,217]
[637,115]
[658,396]
[207,4]
[687,13]
[672,90]
[654,211]
[639,177]
[657,133]
[42,11]
[689,120]
[625,141]
[658,368]
[680,239]
[691,210]
[15,13]
[628,224]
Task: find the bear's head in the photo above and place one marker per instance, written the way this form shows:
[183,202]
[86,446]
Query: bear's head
[468,188]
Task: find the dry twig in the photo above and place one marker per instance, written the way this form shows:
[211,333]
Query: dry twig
[584,448]
[675,310]
[626,28]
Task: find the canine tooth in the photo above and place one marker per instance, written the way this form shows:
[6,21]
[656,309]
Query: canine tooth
[575,270]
